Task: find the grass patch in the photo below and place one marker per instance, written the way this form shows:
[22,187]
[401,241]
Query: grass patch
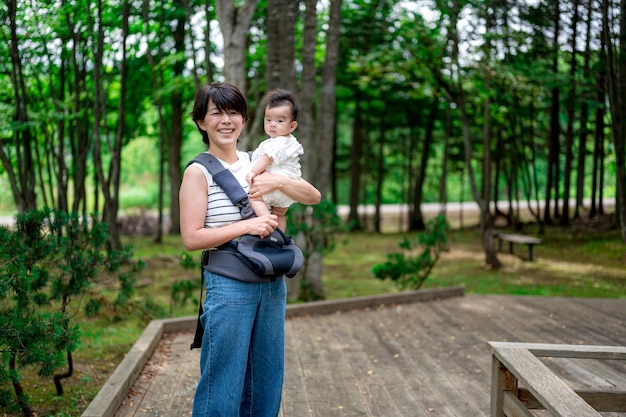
[568,264]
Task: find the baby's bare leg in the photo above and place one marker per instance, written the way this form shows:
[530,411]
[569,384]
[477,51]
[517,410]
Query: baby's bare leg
[259,207]
[282,220]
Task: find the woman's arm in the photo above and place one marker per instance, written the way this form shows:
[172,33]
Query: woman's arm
[193,205]
[296,188]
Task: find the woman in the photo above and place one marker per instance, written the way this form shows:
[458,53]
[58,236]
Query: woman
[242,356]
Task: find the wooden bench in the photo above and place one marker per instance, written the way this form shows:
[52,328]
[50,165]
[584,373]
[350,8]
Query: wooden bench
[520,381]
[514,238]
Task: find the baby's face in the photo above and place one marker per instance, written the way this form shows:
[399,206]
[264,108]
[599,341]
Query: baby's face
[278,121]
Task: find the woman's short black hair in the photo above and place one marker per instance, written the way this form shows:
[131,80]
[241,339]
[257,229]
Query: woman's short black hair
[225,96]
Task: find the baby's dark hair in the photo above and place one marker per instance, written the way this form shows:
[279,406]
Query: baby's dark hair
[278,97]
[224,96]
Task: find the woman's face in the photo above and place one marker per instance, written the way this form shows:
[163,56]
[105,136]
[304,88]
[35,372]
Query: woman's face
[222,126]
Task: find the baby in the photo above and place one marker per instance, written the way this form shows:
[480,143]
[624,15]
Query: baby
[279,154]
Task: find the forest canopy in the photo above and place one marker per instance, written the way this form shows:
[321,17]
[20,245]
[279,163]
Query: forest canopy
[403,101]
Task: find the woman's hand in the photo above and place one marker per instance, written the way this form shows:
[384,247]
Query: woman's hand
[264,183]
[296,188]
[262,226]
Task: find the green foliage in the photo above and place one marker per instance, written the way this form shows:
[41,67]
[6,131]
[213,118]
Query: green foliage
[48,261]
[410,269]
[183,292]
[187,261]
[315,228]
[318,225]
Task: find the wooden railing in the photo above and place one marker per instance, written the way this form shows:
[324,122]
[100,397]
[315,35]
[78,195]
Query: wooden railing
[521,382]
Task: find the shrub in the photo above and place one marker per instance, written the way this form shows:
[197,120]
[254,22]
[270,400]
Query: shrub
[46,262]
[409,269]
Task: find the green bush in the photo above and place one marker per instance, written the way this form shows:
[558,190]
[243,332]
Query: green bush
[409,269]
[47,263]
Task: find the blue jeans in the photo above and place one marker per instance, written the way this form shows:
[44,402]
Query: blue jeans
[242,355]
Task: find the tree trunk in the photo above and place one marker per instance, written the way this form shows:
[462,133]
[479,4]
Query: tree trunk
[616,81]
[175,138]
[598,141]
[306,131]
[486,220]
[272,64]
[157,77]
[571,114]
[307,87]
[321,170]
[110,182]
[380,175]
[280,64]
[22,177]
[356,152]
[235,24]
[416,221]
[208,65]
[553,152]
[80,140]
[115,163]
[281,21]
[443,192]
[584,117]
[59,377]
[327,102]
[19,389]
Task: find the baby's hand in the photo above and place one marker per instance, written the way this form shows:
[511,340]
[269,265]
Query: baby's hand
[250,177]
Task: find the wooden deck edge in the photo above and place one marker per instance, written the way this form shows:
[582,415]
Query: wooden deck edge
[552,392]
[356,303]
[564,350]
[110,397]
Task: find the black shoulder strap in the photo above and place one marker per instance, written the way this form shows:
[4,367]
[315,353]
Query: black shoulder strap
[225,179]
[199,334]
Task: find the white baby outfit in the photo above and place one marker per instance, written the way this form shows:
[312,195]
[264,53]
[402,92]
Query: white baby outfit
[285,153]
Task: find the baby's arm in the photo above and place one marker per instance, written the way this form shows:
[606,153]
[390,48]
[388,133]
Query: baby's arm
[259,166]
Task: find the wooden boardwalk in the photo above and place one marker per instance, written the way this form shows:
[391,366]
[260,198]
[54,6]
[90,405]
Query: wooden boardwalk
[421,359]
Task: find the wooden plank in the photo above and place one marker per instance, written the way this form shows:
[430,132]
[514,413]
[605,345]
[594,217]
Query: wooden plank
[550,390]
[567,351]
[176,385]
[519,238]
[499,383]
[392,355]
[453,346]
[576,320]
[455,342]
[529,241]
[361,303]
[612,373]
[602,401]
[513,407]
[330,382]
[167,382]
[379,370]
[296,401]
[577,376]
